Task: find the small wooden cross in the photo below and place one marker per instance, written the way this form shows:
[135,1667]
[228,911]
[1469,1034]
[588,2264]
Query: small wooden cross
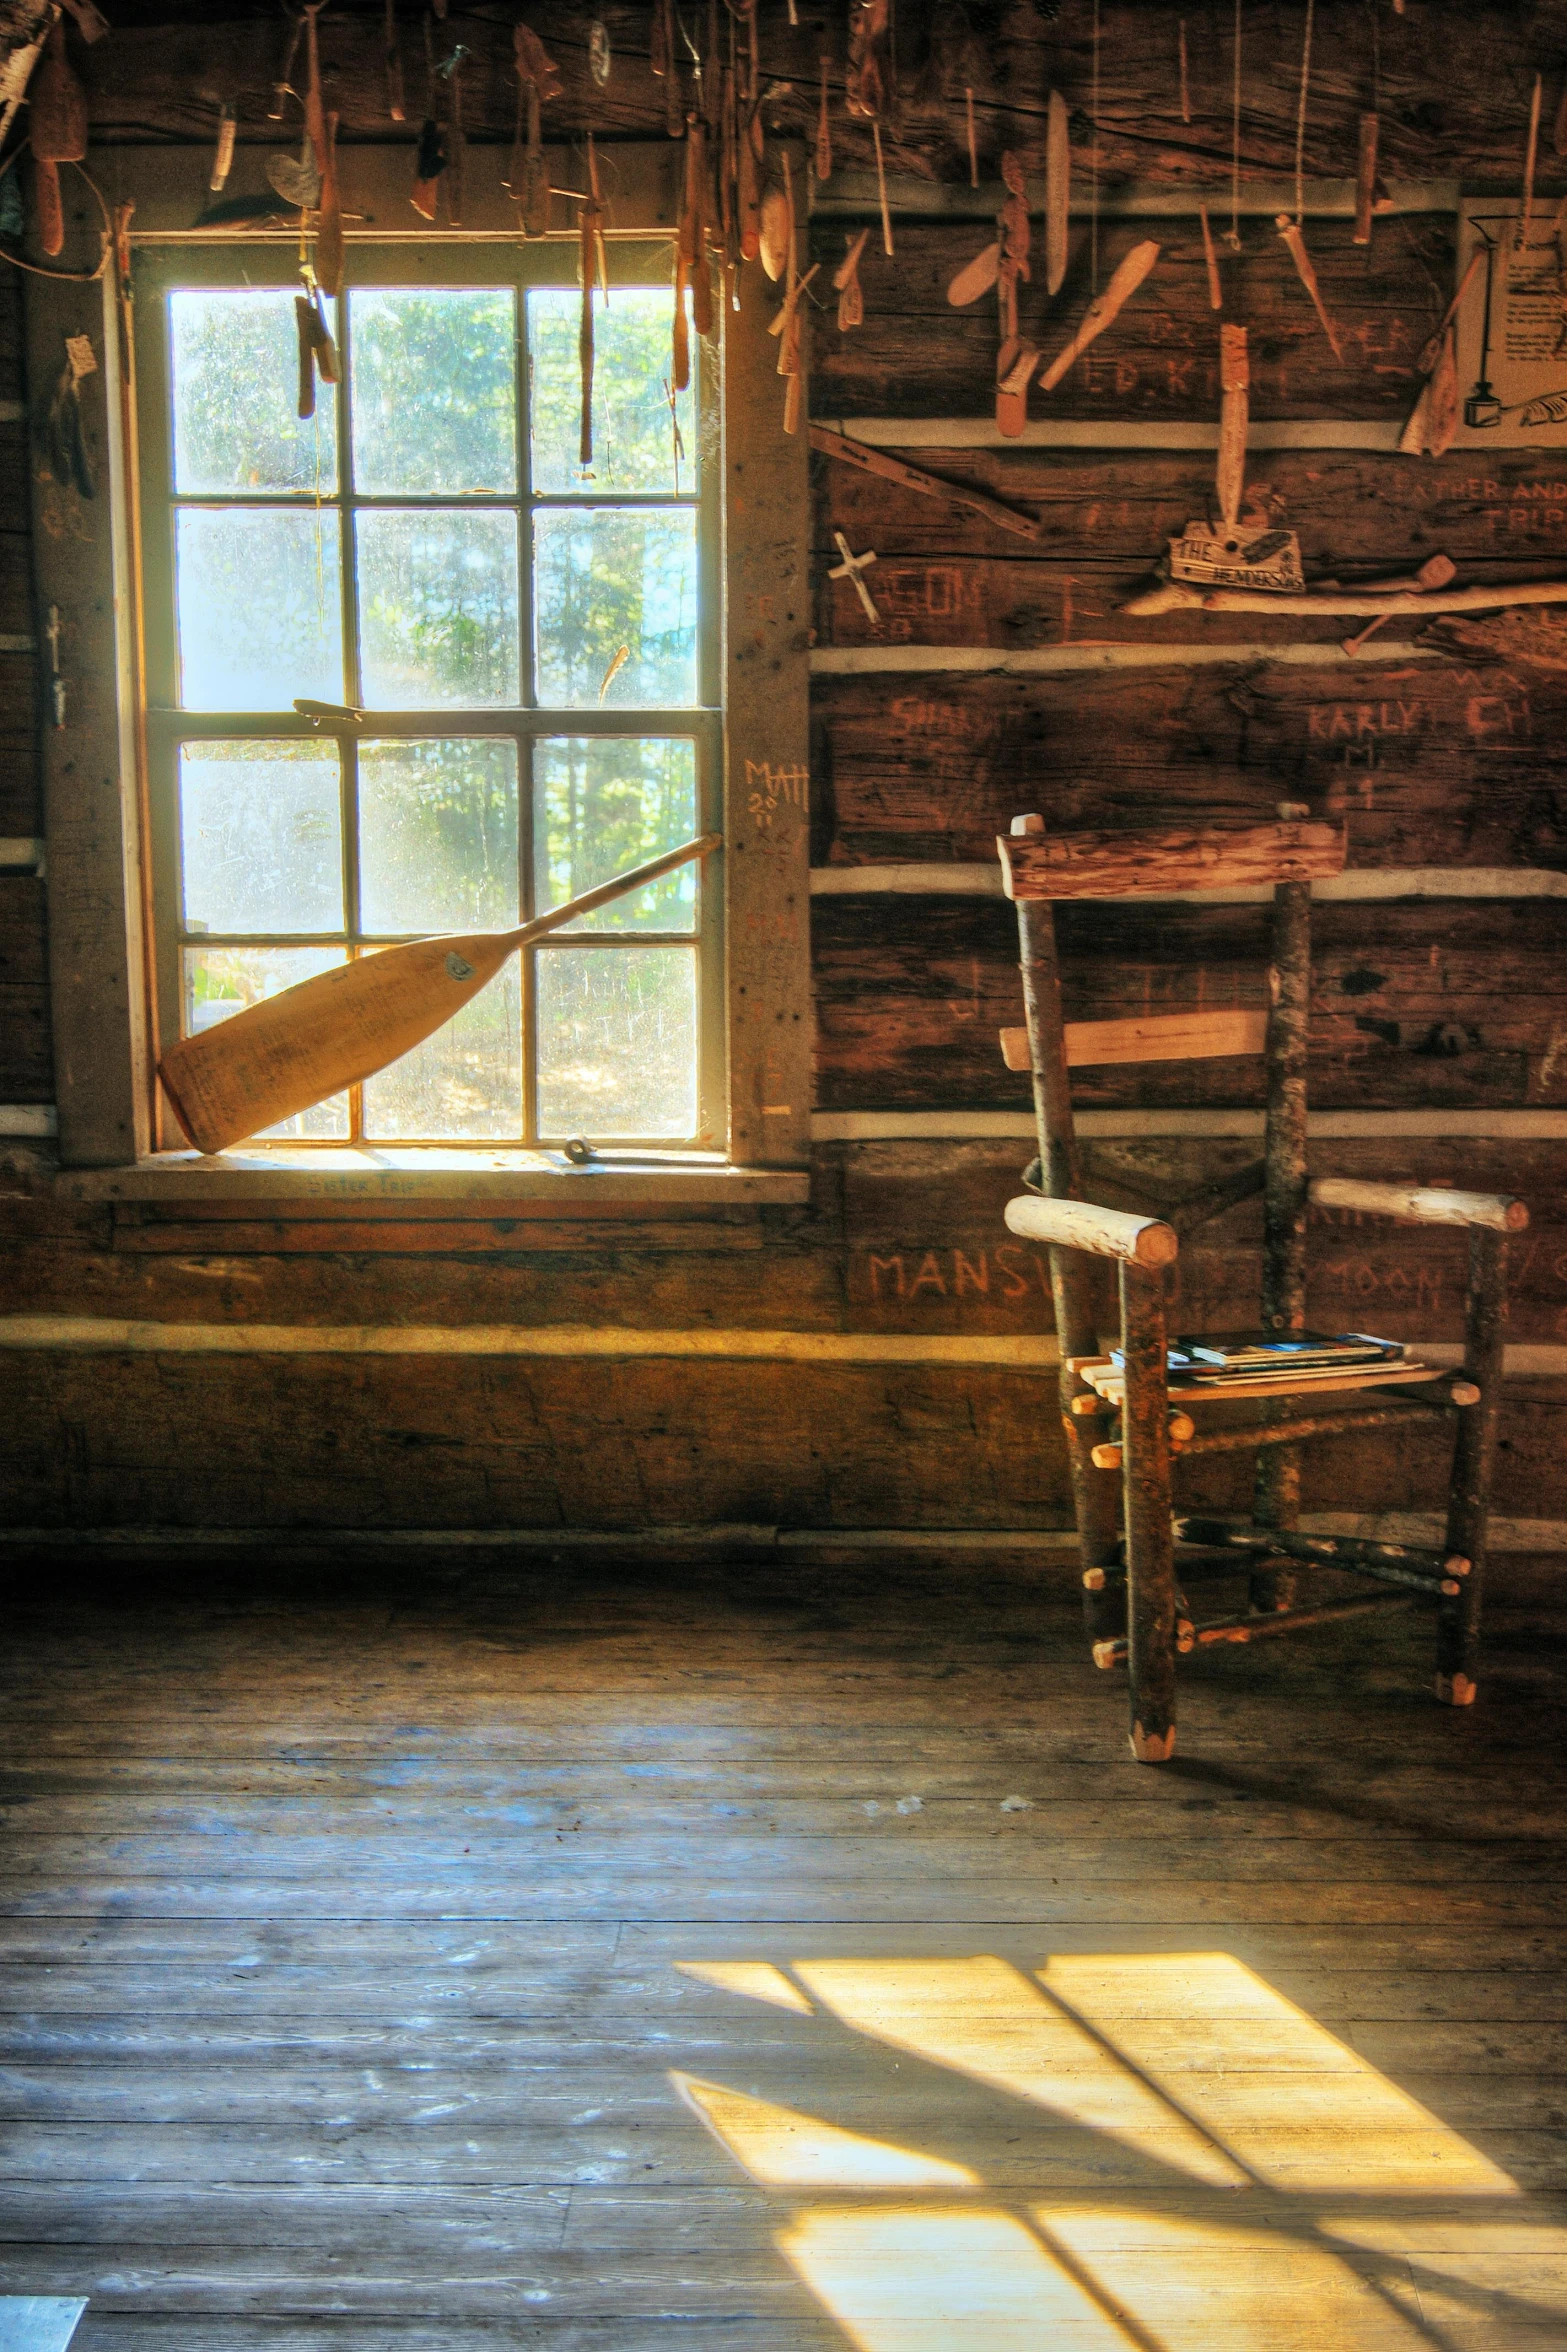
[850,569]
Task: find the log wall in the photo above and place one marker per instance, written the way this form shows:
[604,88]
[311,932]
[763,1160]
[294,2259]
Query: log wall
[1001,675]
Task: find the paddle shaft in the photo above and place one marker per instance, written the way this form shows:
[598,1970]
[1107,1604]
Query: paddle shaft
[620,886]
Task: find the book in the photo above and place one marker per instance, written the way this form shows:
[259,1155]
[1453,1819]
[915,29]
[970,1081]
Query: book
[1258,1355]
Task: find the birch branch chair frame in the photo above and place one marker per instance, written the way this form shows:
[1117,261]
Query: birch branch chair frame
[1135,1561]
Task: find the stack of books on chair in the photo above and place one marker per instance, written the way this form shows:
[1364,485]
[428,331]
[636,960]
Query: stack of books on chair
[1256,1360]
[1231,1363]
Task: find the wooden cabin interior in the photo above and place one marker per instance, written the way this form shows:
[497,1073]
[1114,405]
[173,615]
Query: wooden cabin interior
[583,1521]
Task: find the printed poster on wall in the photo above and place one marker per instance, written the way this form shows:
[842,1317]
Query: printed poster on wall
[1512,326]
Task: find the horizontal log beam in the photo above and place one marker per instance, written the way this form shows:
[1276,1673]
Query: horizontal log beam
[1105,1233]
[1171,596]
[1422,1204]
[1133,865]
[1150,1037]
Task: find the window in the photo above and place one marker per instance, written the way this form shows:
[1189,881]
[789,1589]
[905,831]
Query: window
[533,644]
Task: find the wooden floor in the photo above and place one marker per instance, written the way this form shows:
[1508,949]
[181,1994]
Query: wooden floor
[437,1957]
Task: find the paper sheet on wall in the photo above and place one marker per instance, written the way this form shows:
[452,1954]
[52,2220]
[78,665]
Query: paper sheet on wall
[1512,328]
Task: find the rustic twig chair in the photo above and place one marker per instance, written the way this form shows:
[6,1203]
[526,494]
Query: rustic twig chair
[1130,1572]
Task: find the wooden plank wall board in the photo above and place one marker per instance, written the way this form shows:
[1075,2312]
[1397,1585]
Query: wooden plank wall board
[99,1440]
[1428,763]
[1436,122]
[901,1237]
[945,577]
[917,356]
[1412,1003]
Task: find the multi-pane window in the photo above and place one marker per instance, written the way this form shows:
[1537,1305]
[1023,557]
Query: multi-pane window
[530,643]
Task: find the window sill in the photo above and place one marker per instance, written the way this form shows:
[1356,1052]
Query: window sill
[499,1180]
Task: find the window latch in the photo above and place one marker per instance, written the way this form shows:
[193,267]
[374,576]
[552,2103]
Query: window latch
[328,714]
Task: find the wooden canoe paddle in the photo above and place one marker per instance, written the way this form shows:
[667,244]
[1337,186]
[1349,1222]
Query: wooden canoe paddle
[279,1057]
[58,132]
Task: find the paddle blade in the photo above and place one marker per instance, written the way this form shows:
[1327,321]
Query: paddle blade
[277,1058]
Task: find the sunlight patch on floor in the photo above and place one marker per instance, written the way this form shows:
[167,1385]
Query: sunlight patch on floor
[759,1980]
[1290,2197]
[1297,2108]
[986,2019]
[932,2280]
[786,2150]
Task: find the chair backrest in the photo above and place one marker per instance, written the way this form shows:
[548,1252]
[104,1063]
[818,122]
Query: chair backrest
[1038,868]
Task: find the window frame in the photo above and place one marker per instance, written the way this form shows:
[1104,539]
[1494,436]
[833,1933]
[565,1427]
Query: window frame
[96,774]
[519,265]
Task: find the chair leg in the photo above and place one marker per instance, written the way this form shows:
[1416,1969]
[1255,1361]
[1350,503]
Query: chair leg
[1277,1501]
[1474,1462]
[1272,1586]
[1150,1554]
[1073,1279]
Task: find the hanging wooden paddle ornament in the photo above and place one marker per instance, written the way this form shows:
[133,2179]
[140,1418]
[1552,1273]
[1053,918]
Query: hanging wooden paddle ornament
[1211,260]
[58,130]
[748,181]
[1231,556]
[1295,240]
[664,63]
[395,103]
[786,326]
[431,157]
[822,154]
[329,220]
[1234,415]
[846,280]
[691,243]
[775,230]
[1015,359]
[527,182]
[1058,191]
[865,86]
[1433,421]
[592,259]
[1366,178]
[283,87]
[1293,231]
[1000,264]
[1105,311]
[315,111]
[317,351]
[223,153]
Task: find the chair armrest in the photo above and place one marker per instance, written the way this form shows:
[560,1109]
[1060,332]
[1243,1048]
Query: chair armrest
[1422,1205]
[1106,1233]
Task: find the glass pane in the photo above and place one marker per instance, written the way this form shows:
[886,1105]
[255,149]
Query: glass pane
[617,1041]
[613,581]
[438,835]
[224,980]
[260,617]
[634,446]
[261,837]
[601,804]
[234,370]
[465,1081]
[438,610]
[433,382]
